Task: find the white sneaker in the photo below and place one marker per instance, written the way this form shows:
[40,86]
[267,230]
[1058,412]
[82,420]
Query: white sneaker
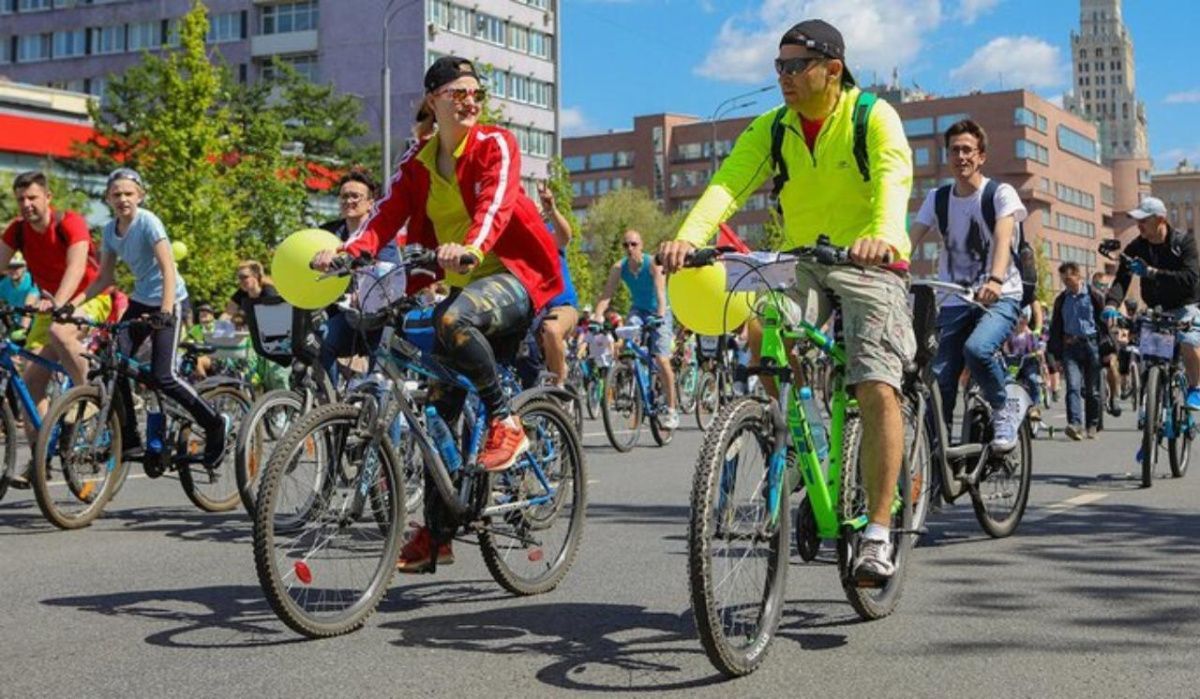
[874,560]
[670,420]
[1007,421]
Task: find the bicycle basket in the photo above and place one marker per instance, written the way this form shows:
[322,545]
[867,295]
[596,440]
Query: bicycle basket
[759,271]
[273,322]
[708,346]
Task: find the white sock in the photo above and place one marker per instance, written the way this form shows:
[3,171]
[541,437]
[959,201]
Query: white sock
[877,532]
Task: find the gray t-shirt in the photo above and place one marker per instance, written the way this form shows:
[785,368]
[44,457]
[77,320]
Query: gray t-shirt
[136,249]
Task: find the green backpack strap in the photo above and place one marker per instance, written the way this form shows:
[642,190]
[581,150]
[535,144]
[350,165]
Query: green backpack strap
[862,116]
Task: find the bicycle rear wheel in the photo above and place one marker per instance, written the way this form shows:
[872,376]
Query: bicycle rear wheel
[1152,424]
[1183,428]
[77,461]
[999,500]
[595,394]
[870,601]
[327,527]
[662,435]
[530,549]
[622,406]
[708,400]
[268,420]
[686,381]
[919,461]
[215,488]
[9,441]
[737,540]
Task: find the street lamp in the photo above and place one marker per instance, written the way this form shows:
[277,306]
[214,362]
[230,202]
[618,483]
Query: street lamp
[725,107]
[386,117]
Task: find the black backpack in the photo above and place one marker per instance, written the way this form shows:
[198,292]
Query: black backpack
[862,114]
[1025,260]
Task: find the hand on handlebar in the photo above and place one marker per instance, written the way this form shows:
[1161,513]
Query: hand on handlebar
[323,260]
[989,293]
[871,252]
[672,254]
[456,258]
[1139,267]
[63,313]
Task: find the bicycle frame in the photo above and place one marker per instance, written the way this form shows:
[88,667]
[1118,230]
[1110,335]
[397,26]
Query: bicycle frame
[643,367]
[8,350]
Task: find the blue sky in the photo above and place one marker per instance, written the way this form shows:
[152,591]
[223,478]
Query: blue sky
[622,58]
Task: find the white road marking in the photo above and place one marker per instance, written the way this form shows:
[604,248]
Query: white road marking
[1072,503]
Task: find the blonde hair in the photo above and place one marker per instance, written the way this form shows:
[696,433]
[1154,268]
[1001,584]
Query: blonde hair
[256,268]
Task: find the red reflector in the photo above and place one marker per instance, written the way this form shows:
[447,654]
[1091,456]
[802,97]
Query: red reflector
[535,555]
[303,574]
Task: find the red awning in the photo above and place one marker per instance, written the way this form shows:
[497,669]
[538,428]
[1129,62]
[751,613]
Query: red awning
[40,137]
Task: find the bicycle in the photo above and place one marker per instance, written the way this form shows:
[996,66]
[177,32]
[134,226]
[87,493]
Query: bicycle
[998,484]
[634,389]
[715,388]
[1018,371]
[687,371]
[327,529]
[594,368]
[751,458]
[78,462]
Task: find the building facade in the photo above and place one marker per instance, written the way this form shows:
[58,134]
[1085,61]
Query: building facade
[1179,189]
[1052,158]
[77,44]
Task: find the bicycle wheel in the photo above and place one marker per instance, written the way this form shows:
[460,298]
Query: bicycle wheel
[530,549]
[595,395]
[1183,428]
[871,602]
[737,540]
[1135,385]
[622,406]
[10,438]
[1003,491]
[685,387]
[708,400]
[1152,424]
[77,460]
[325,546]
[215,488]
[269,418]
[662,435]
[919,460]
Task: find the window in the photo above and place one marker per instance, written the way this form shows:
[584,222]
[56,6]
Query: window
[1144,177]
[1106,194]
[1042,123]
[1070,224]
[289,17]
[518,39]
[600,161]
[1076,143]
[5,50]
[1044,184]
[145,35]
[539,4]
[498,83]
[575,163]
[589,188]
[304,64]
[1074,196]
[1083,256]
[32,5]
[539,44]
[1046,218]
[1033,151]
[1025,117]
[70,44]
[918,127]
[7,6]
[490,29]
[225,27]
[576,189]
[690,151]
[33,47]
[947,120]
[460,20]
[438,12]
[108,39]
[920,157]
[624,159]
[602,186]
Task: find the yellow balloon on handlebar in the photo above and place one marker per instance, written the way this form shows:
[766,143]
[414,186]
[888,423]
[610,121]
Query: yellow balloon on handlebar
[299,284]
[698,299]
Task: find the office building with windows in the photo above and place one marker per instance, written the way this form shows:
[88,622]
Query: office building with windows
[77,44]
[1052,158]
[1179,189]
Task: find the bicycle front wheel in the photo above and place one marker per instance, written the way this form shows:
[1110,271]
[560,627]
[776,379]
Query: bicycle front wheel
[737,540]
[327,523]
[1183,428]
[1003,491]
[662,435]
[266,423]
[9,440]
[622,406]
[686,382]
[708,400]
[215,488]
[77,460]
[1152,423]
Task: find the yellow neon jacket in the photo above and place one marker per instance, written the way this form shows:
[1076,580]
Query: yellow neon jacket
[825,193]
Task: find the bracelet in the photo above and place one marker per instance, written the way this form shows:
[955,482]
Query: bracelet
[996,279]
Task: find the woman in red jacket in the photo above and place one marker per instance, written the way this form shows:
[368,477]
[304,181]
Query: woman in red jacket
[458,189]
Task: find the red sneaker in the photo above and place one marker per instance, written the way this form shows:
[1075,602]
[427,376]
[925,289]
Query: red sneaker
[506,441]
[415,556]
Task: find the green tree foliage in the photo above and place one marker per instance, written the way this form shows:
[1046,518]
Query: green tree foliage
[607,220]
[328,126]
[1045,272]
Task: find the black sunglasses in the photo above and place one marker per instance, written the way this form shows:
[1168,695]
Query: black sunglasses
[631,243]
[795,66]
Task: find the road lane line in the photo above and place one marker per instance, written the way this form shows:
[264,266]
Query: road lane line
[1072,503]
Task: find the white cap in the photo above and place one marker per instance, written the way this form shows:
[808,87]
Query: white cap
[1150,206]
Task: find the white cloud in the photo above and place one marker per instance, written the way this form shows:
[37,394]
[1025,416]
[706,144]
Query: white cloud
[747,43]
[1188,97]
[1057,100]
[1168,160]
[971,10]
[573,123]
[1012,61]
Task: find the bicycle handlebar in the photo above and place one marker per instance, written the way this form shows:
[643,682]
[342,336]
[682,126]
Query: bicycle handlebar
[823,252]
[410,256]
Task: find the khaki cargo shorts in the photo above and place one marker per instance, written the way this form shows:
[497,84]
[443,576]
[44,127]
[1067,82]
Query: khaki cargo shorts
[876,322]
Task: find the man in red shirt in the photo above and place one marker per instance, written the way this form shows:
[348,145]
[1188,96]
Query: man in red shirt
[57,248]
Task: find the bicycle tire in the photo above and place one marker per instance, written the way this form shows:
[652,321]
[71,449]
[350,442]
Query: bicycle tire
[919,460]
[11,437]
[999,528]
[595,396]
[685,388]
[662,436]
[712,481]
[270,523]
[1152,425]
[1135,385]
[216,489]
[869,602]
[708,400]
[502,552]
[620,380]
[1183,428]
[60,425]
[251,453]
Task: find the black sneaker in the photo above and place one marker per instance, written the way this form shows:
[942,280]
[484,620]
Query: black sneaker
[214,449]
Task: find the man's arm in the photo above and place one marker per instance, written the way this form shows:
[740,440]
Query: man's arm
[77,259]
[562,228]
[660,288]
[891,178]
[1181,283]
[610,288]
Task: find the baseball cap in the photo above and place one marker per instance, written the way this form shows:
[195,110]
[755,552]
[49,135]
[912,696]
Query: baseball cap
[1150,206]
[124,173]
[822,37]
[447,69]
[17,260]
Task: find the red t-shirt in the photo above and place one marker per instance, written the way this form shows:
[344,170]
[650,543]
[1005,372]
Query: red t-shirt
[46,254]
[811,129]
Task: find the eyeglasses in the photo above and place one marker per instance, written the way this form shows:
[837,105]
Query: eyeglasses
[963,150]
[351,197]
[460,94]
[631,244]
[795,66]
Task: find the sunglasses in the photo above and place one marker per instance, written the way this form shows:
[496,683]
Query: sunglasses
[631,244]
[795,66]
[460,94]
[244,277]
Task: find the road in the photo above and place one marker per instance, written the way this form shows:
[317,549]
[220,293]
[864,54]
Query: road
[1094,596]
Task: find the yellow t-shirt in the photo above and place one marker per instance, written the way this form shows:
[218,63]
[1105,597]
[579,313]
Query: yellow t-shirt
[449,215]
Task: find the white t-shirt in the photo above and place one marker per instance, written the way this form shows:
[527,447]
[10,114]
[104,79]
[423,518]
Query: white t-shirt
[600,348]
[963,264]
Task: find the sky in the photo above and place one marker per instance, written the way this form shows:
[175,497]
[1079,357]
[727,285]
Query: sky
[622,58]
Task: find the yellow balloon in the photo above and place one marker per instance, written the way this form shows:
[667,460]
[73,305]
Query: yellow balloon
[299,284]
[179,249]
[698,299]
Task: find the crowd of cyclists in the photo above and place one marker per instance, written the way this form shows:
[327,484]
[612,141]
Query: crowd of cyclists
[500,292]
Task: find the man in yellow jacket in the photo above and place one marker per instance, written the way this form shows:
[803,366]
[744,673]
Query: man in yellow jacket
[859,198]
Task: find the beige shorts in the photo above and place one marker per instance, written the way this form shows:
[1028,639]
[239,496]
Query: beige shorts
[876,321]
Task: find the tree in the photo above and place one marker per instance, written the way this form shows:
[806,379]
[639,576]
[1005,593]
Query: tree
[608,218]
[1045,283]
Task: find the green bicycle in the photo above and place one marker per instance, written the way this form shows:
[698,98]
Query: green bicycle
[752,458]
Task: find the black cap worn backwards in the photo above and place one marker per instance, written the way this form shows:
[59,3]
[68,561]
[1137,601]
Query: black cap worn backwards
[447,69]
[822,37]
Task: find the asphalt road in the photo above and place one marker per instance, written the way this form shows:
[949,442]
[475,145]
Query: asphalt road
[1096,595]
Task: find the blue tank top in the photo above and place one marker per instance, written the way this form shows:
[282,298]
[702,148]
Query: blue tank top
[566,297]
[641,287]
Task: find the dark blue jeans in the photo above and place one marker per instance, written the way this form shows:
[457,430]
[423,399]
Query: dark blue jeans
[1081,364]
[971,336]
[341,340]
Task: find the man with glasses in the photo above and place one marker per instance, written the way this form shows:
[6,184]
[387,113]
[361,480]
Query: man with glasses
[648,293]
[858,196]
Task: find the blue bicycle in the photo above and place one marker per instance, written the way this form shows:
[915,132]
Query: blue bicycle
[328,521]
[16,393]
[634,389]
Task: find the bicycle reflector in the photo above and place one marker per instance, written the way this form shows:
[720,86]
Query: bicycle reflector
[303,574]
